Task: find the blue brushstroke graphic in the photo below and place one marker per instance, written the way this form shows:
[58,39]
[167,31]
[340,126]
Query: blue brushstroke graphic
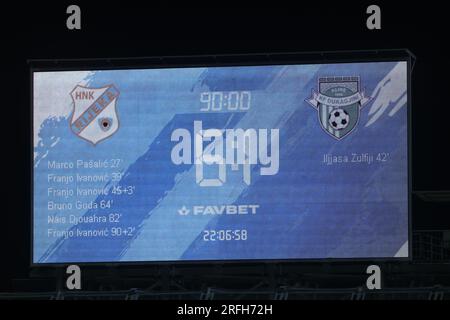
[307,210]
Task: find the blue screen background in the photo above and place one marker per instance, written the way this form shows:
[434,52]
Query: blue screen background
[307,210]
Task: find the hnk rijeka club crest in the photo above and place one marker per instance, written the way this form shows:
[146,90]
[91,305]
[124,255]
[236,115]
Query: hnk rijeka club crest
[338,104]
[94,116]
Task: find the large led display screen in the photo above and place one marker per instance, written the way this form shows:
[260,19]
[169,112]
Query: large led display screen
[269,162]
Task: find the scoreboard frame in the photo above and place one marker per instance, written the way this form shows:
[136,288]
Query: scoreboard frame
[225,60]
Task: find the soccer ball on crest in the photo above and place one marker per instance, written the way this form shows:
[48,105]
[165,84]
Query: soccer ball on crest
[338,119]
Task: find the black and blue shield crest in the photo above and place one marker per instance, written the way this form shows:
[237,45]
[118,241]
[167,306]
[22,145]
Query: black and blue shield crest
[338,104]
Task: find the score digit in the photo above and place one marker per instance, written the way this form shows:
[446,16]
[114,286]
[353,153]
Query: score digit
[205,97]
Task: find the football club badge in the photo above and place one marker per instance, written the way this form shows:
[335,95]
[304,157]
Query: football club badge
[338,104]
[94,117]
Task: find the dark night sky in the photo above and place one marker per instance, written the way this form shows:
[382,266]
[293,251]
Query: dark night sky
[131,29]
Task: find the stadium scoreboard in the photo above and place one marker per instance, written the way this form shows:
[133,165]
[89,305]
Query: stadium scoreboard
[214,163]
